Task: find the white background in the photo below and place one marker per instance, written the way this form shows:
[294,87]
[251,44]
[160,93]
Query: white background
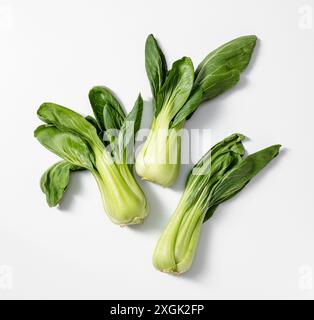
[258,245]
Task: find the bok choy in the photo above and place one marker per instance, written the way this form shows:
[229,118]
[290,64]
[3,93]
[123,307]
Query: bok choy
[104,145]
[219,175]
[177,93]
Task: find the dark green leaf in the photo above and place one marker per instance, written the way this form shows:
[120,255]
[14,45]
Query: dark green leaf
[112,123]
[67,145]
[210,212]
[105,105]
[135,115]
[112,119]
[177,87]
[237,178]
[208,162]
[219,83]
[68,120]
[129,129]
[221,69]
[190,106]
[55,180]
[155,64]
[213,165]
[94,122]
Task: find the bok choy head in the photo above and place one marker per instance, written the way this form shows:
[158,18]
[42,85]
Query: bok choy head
[103,145]
[177,93]
[220,174]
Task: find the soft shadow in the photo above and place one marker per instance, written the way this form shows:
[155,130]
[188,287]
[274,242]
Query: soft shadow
[211,110]
[156,218]
[201,263]
[180,182]
[73,190]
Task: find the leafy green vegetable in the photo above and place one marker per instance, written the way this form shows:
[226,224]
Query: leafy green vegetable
[155,63]
[67,145]
[67,120]
[219,175]
[94,122]
[77,141]
[177,94]
[189,107]
[127,133]
[241,175]
[221,69]
[55,181]
[106,107]
[176,88]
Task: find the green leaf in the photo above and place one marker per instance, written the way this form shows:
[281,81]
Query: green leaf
[106,108]
[155,64]
[219,83]
[237,178]
[112,119]
[94,122]
[129,129]
[190,106]
[68,120]
[221,69]
[55,180]
[135,115]
[67,145]
[213,165]
[112,123]
[233,144]
[177,87]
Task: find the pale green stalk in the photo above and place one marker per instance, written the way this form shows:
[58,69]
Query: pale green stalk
[217,177]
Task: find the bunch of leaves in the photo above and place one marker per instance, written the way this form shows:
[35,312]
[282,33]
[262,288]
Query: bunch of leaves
[110,127]
[181,90]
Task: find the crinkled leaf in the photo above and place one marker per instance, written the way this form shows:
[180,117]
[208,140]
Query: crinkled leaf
[67,145]
[233,144]
[177,87]
[55,180]
[221,69]
[155,64]
[213,165]
[106,108]
[237,178]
